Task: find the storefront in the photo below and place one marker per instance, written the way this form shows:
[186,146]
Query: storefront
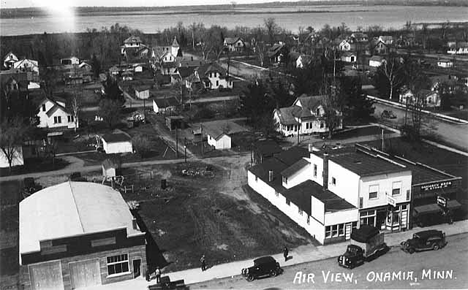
[389,217]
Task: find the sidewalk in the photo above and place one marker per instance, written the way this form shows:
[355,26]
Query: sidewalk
[303,254]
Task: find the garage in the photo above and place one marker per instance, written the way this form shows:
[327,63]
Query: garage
[46,275]
[85,273]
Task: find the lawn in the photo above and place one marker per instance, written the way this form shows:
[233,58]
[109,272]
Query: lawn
[35,165]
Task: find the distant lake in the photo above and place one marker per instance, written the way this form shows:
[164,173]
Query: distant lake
[290,17]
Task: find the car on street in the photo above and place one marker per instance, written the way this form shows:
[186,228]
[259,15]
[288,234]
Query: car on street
[423,241]
[263,267]
[388,114]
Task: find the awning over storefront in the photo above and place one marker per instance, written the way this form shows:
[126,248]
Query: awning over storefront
[428,208]
[453,205]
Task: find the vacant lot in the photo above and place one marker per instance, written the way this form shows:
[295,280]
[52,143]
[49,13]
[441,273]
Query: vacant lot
[211,213]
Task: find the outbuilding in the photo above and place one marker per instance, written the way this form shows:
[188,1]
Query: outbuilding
[78,235]
[119,142]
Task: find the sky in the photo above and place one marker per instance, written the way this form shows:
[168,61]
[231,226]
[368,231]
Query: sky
[120,3]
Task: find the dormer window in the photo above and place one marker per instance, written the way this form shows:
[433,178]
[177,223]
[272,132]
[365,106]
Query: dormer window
[43,107]
[317,112]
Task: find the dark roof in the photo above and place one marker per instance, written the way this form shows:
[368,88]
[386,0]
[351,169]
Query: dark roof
[116,137]
[206,68]
[420,173]
[364,233]
[293,169]
[292,155]
[428,233]
[364,164]
[301,195]
[286,116]
[275,49]
[275,165]
[267,147]
[217,128]
[185,71]
[132,39]
[165,103]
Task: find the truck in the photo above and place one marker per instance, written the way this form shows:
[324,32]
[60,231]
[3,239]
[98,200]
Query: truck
[367,243]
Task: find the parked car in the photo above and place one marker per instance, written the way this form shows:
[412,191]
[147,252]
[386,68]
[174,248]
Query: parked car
[432,215]
[263,267]
[367,244]
[423,241]
[388,114]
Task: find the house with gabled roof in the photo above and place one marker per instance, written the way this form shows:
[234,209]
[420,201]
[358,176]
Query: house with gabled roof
[27,65]
[305,116]
[376,61]
[209,76]
[166,105]
[358,37]
[236,44]
[277,53]
[457,48]
[9,59]
[54,114]
[348,57]
[219,133]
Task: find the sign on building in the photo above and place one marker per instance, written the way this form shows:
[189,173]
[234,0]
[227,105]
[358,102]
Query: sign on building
[436,185]
[391,201]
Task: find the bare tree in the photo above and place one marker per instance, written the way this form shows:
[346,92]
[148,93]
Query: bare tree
[11,138]
[271,27]
[392,70]
[75,105]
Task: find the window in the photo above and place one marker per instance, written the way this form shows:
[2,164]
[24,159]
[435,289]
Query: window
[317,112]
[396,188]
[373,191]
[276,193]
[117,264]
[217,83]
[328,232]
[285,180]
[333,180]
[341,230]
[322,125]
[57,120]
[287,201]
[308,220]
[70,119]
[43,107]
[335,231]
[315,170]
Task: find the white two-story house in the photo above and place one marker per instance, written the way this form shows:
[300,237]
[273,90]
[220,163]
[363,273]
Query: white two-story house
[234,44]
[53,114]
[210,76]
[305,116]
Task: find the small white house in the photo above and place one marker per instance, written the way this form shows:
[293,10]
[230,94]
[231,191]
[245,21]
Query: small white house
[118,142]
[162,106]
[219,133]
[142,93]
[53,114]
[445,63]
[376,61]
[70,61]
[9,60]
[349,57]
[17,158]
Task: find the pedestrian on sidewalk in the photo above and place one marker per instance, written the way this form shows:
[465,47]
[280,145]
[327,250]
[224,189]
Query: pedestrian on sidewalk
[158,275]
[203,263]
[285,253]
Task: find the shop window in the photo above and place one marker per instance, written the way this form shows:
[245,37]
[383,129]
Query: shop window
[373,191]
[117,264]
[335,231]
[341,230]
[328,232]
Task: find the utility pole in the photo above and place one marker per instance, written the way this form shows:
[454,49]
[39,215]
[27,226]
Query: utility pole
[177,143]
[185,149]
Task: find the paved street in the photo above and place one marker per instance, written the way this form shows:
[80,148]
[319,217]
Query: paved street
[441,269]
[454,134]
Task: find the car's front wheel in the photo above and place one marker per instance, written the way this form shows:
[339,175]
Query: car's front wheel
[435,247]
[410,250]
[273,273]
[250,278]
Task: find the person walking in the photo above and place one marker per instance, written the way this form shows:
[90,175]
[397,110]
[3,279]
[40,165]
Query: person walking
[203,263]
[285,253]
[158,275]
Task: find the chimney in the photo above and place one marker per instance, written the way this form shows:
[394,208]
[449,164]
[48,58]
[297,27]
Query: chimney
[270,175]
[135,224]
[325,171]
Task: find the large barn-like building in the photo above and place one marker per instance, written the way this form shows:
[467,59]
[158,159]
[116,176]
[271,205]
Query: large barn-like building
[76,235]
